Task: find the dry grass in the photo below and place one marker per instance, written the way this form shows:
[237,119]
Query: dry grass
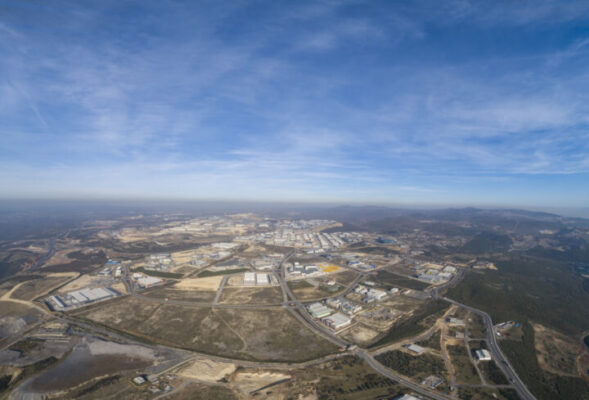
[556,352]
[209,283]
[207,370]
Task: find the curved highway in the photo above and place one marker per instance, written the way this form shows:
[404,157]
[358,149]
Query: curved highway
[501,361]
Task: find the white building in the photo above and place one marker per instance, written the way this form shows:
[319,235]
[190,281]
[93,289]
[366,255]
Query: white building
[148,281]
[377,294]
[337,321]
[415,348]
[249,278]
[407,397]
[262,279]
[318,310]
[482,355]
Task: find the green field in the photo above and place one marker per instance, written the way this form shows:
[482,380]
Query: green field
[207,273]
[418,322]
[465,370]
[525,288]
[419,366]
[159,274]
[433,342]
[393,280]
[544,385]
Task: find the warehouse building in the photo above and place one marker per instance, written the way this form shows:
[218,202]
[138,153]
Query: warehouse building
[415,348]
[318,310]
[145,282]
[336,321]
[262,279]
[482,355]
[249,279]
[79,297]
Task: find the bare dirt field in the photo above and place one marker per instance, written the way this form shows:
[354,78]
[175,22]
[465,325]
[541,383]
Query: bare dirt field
[183,257]
[270,335]
[84,281]
[60,257]
[205,296]
[38,287]
[556,353]
[209,283]
[265,295]
[360,334]
[304,290]
[347,378]
[251,380]
[207,370]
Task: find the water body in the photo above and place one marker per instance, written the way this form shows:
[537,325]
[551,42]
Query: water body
[82,365]
[586,340]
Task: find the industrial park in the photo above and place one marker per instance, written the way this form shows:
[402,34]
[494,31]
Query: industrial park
[230,289]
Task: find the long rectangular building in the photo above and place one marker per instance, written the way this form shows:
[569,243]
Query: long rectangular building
[337,321]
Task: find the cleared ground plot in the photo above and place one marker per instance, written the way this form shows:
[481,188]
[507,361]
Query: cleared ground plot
[237,333]
[210,283]
[38,287]
[267,295]
[204,296]
[304,290]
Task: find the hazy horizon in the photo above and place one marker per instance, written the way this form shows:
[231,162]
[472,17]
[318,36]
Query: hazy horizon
[96,203]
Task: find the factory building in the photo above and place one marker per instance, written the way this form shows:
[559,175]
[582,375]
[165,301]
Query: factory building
[262,279]
[145,282]
[337,321]
[415,348]
[482,355]
[249,279]
[318,310]
[80,297]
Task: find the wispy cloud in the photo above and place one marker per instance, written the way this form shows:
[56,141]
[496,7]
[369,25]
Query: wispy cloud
[321,99]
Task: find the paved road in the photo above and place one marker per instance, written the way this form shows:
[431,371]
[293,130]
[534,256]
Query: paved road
[497,354]
[378,367]
[220,290]
[325,332]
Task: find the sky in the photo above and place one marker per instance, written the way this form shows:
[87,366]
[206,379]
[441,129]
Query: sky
[452,102]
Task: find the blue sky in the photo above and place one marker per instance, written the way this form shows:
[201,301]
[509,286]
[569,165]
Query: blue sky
[426,102]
